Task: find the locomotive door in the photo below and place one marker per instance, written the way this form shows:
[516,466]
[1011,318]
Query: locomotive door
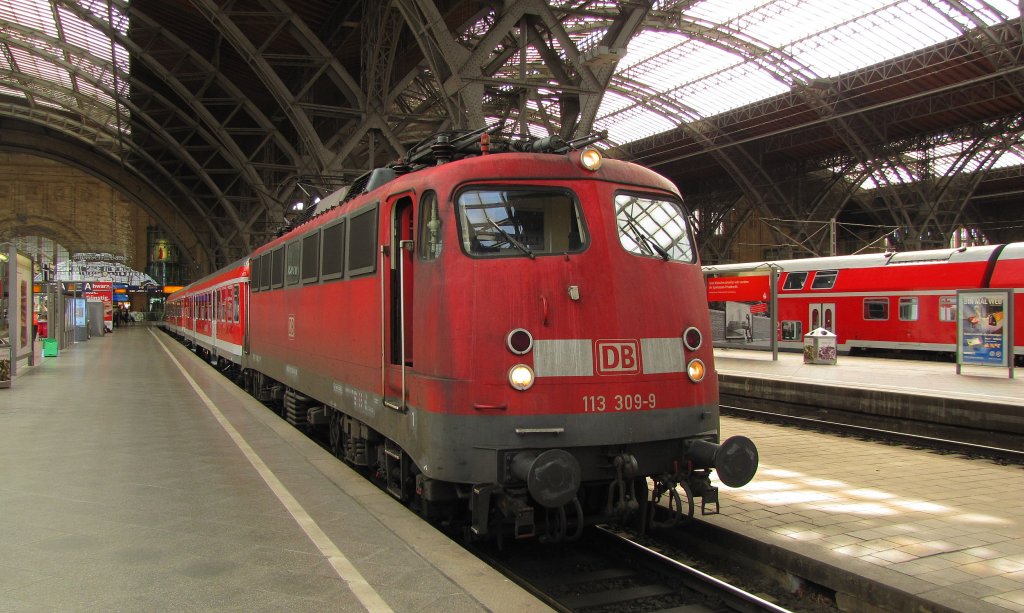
[398,286]
[822,315]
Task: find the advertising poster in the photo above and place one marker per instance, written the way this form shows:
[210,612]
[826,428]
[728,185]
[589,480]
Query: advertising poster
[983,328]
[102,291]
[746,288]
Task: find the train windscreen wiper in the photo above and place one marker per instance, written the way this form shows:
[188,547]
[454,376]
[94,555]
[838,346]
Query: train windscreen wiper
[646,241]
[512,241]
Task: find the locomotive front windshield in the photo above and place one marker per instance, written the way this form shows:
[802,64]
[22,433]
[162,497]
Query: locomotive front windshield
[520,222]
[653,227]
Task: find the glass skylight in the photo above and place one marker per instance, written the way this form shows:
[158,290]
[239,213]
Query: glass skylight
[59,60]
[731,53]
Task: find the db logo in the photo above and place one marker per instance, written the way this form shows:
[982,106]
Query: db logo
[620,357]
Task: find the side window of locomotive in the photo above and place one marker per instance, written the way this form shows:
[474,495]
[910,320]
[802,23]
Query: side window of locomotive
[430,227]
[876,308]
[265,266]
[908,309]
[254,274]
[653,227]
[795,280]
[520,222]
[292,261]
[310,257]
[362,242]
[332,252]
[277,266]
[824,279]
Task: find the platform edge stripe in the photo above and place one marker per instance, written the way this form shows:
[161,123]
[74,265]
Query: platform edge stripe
[348,573]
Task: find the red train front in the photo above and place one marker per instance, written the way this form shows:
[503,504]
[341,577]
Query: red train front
[518,339]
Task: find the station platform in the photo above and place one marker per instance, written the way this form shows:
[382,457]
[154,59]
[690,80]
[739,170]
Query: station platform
[134,477]
[889,527]
[982,405]
[886,526]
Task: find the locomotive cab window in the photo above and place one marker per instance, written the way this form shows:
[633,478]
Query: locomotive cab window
[653,227]
[795,280]
[514,222]
[824,279]
[430,227]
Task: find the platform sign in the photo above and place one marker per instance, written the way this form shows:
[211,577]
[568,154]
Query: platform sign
[984,329]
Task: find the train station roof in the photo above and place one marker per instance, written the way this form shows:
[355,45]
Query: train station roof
[235,111]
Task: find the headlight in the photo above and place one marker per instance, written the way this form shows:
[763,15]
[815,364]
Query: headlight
[695,370]
[520,377]
[590,159]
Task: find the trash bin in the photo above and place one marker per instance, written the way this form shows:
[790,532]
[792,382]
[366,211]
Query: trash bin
[49,347]
[820,347]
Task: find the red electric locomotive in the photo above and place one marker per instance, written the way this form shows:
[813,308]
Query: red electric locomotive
[511,333]
[886,302]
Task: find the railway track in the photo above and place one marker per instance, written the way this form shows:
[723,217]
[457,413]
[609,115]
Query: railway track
[608,571]
[849,428]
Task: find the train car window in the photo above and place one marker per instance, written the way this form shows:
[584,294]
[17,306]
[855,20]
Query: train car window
[332,252]
[311,258]
[908,309]
[277,267]
[947,308]
[430,227]
[876,308]
[235,303]
[792,330]
[653,227]
[254,274]
[520,222]
[362,243]
[293,259]
[824,279]
[265,271]
[795,280]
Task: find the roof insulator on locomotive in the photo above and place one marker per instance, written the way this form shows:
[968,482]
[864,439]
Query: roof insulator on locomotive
[442,149]
[485,143]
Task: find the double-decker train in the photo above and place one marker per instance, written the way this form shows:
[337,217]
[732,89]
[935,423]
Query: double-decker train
[887,302]
[511,334]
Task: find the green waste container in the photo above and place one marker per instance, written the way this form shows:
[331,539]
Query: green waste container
[49,347]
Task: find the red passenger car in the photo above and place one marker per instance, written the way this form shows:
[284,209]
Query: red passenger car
[512,333]
[903,301]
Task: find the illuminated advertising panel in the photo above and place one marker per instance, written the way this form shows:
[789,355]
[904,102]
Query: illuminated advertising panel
[983,328]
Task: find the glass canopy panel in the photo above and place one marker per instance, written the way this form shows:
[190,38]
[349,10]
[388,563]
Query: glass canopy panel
[782,43]
[63,61]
